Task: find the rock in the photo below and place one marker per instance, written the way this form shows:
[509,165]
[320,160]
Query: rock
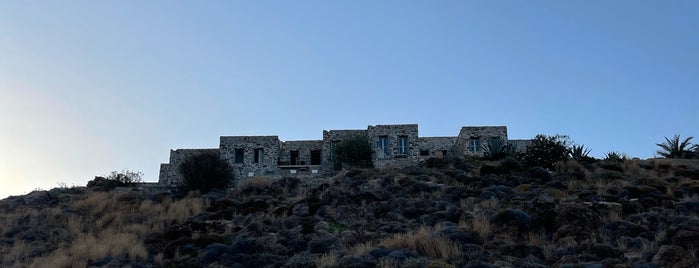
[462,236]
[213,253]
[687,237]
[674,256]
[624,228]
[356,262]
[513,222]
[323,245]
[301,260]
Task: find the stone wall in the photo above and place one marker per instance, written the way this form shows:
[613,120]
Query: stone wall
[436,146]
[265,147]
[169,173]
[274,157]
[519,145]
[304,149]
[393,134]
[481,134]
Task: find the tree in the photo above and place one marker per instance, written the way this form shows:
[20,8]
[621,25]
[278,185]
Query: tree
[354,150]
[673,148]
[206,171]
[545,151]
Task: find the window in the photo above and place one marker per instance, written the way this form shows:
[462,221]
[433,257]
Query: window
[403,145]
[383,146]
[315,157]
[239,156]
[259,155]
[474,145]
[424,152]
[294,157]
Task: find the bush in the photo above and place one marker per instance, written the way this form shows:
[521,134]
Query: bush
[125,177]
[115,179]
[545,151]
[497,149]
[674,148]
[204,172]
[353,150]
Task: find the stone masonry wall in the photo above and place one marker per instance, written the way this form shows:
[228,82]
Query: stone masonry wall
[482,134]
[169,173]
[393,133]
[269,145]
[436,146]
[519,145]
[275,153]
[304,149]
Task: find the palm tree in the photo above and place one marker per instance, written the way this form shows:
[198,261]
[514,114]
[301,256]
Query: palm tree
[673,148]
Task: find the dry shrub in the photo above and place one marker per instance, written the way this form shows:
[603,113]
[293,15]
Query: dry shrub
[104,224]
[326,260]
[96,203]
[631,167]
[424,241]
[573,168]
[361,249]
[253,184]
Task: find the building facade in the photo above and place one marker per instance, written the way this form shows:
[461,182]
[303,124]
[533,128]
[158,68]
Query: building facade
[392,145]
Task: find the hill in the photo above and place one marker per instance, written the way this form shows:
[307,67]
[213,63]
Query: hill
[607,213]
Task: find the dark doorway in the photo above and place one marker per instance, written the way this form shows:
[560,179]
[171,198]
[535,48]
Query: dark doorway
[294,157]
[315,157]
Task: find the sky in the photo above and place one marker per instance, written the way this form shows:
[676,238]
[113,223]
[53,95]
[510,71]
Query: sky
[90,87]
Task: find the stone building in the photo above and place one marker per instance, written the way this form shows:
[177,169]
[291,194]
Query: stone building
[392,145]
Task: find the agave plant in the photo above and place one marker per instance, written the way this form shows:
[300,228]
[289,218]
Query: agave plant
[615,156]
[579,152]
[496,148]
[673,148]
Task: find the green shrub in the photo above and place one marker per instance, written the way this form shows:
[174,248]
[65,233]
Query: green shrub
[496,149]
[125,177]
[615,156]
[206,171]
[545,151]
[354,151]
[115,179]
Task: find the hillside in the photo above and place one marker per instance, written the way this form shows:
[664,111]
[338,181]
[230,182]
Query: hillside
[623,213]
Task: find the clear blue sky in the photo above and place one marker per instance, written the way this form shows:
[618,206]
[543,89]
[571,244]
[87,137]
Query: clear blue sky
[87,87]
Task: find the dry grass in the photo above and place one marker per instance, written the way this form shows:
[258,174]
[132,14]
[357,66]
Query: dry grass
[102,224]
[326,260]
[257,182]
[424,241]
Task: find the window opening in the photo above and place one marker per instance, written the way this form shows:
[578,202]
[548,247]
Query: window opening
[403,145]
[259,155]
[239,156]
[383,146]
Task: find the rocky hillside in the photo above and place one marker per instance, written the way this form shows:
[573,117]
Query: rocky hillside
[626,213]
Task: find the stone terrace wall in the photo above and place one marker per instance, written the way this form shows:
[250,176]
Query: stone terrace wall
[169,173]
[520,145]
[303,147]
[393,132]
[270,146]
[436,146]
[483,133]
[334,136]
